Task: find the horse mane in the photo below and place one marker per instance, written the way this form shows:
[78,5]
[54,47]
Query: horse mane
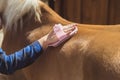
[2,5]
[14,11]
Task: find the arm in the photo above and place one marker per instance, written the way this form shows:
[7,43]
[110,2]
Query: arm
[27,55]
[20,59]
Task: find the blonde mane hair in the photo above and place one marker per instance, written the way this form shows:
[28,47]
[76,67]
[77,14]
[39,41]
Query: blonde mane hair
[13,11]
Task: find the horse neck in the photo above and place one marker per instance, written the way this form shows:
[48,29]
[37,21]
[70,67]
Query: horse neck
[31,30]
[48,19]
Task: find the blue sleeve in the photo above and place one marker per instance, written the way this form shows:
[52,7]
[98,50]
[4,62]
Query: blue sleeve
[24,57]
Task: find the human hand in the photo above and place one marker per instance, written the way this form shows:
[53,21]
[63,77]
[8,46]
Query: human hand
[58,35]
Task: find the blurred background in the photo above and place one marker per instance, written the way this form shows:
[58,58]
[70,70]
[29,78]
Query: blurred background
[88,11]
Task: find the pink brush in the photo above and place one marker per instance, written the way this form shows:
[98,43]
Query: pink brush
[62,36]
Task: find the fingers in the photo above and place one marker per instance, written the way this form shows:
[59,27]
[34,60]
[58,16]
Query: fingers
[61,33]
[69,28]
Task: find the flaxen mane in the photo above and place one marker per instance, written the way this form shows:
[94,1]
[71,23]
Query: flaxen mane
[13,10]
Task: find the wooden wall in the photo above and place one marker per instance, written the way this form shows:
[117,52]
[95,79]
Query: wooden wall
[89,11]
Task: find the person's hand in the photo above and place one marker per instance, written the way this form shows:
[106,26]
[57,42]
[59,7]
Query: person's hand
[54,38]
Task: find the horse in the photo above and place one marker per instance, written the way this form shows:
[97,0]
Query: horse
[91,54]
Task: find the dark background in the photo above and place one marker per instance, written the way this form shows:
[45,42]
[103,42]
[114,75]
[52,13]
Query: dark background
[88,11]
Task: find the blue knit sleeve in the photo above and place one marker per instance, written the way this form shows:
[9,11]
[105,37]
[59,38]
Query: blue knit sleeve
[20,59]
